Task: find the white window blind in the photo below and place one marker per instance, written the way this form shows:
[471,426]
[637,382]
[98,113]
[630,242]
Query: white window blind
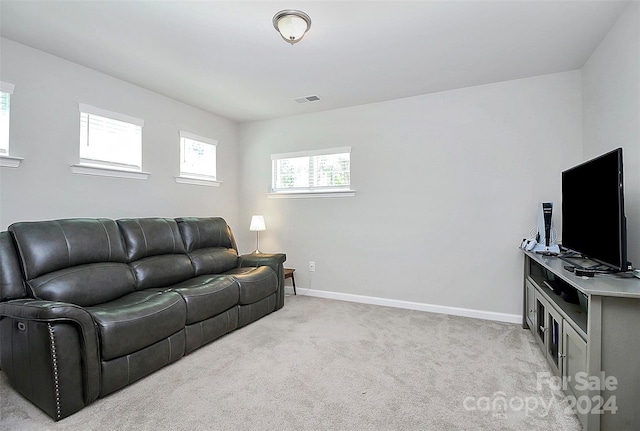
[110,139]
[197,156]
[312,171]
[6,90]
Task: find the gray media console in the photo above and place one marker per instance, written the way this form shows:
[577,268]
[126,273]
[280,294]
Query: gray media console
[589,331]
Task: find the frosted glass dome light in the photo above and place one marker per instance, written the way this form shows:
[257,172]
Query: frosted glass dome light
[292,24]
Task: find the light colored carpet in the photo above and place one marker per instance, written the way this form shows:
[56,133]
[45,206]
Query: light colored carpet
[320,364]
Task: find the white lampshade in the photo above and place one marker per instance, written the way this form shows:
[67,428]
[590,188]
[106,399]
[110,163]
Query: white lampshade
[292,24]
[257,223]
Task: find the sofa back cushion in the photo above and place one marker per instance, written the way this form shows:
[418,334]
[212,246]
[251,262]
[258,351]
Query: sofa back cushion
[85,285]
[214,260]
[209,243]
[162,271]
[206,232]
[81,261]
[155,252]
[144,237]
[47,246]
[11,282]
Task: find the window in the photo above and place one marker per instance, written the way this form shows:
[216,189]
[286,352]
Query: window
[312,172]
[110,140]
[6,90]
[197,157]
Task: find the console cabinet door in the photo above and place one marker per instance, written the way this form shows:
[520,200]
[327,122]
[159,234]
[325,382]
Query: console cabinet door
[575,359]
[554,339]
[539,329]
[575,364]
[548,332]
[530,305]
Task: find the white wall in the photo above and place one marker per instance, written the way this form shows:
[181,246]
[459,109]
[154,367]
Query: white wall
[447,186]
[448,183]
[45,131]
[611,110]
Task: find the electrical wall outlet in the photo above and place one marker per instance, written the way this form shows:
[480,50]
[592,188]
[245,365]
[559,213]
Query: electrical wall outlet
[312,266]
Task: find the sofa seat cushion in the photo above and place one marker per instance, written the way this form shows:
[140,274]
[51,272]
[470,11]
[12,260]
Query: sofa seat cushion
[207,296]
[137,320]
[255,283]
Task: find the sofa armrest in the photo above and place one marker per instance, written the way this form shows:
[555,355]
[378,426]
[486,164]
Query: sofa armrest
[275,261]
[50,353]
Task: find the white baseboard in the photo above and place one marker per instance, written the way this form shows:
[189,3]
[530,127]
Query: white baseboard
[455,311]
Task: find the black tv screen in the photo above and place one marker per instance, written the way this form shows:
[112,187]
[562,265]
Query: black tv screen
[593,219]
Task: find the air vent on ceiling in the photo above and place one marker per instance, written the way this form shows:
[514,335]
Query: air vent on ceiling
[313,98]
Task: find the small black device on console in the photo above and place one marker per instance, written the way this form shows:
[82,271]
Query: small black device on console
[585,272]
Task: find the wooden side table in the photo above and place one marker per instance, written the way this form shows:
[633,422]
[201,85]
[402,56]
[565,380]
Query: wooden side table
[288,273]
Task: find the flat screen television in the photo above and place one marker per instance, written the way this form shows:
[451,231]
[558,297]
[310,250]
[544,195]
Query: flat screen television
[593,219]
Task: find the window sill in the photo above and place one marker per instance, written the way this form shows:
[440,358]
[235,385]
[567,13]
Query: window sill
[10,161]
[109,172]
[307,195]
[198,181]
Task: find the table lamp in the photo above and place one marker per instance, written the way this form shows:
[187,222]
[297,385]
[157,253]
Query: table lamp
[257,225]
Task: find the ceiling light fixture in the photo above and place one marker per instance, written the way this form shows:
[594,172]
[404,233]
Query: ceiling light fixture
[291,24]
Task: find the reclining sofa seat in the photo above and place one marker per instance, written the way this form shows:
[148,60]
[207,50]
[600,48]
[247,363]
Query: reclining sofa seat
[91,305]
[212,249]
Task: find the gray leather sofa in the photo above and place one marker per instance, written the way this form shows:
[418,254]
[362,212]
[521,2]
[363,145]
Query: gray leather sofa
[88,306]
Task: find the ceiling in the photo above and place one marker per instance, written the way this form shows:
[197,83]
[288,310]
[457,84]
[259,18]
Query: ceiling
[225,56]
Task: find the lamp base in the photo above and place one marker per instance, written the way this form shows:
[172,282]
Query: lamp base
[257,243]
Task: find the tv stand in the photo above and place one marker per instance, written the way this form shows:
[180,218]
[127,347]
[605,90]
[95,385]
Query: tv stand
[593,346]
